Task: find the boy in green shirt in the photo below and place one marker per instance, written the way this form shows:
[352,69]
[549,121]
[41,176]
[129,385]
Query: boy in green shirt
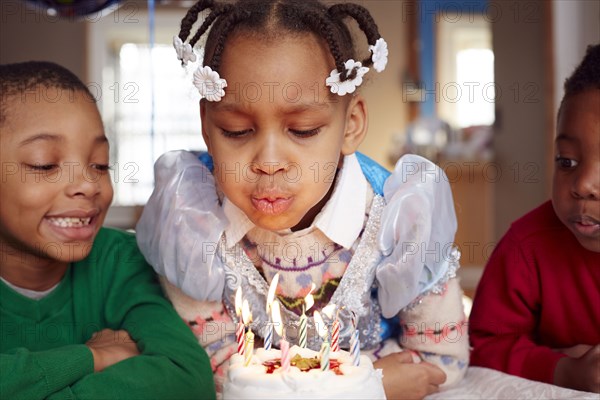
[81,313]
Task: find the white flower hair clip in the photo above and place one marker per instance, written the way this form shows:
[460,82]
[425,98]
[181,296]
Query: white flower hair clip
[379,58]
[184,51]
[210,85]
[349,85]
[380,54]
[208,82]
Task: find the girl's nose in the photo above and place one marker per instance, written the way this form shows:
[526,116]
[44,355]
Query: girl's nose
[271,155]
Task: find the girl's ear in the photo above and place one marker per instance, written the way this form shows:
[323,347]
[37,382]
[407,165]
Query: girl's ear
[202,119]
[357,122]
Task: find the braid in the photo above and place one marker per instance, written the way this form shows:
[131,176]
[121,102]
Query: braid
[216,12]
[192,16]
[364,19]
[266,17]
[225,27]
[326,28]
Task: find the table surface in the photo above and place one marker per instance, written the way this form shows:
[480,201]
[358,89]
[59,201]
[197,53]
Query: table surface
[484,383]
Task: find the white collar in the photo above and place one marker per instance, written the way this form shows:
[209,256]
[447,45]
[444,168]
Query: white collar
[341,220]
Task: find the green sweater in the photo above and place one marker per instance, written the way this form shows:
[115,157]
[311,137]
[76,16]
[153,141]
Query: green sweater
[42,342]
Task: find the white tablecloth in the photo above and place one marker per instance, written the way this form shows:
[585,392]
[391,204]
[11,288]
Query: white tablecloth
[484,383]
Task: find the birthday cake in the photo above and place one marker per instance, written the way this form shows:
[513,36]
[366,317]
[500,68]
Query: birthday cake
[263,377]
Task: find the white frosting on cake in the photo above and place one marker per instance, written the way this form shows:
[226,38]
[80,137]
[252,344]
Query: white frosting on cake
[253,382]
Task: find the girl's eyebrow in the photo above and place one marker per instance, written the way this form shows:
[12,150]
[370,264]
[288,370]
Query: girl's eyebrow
[41,136]
[302,107]
[292,109]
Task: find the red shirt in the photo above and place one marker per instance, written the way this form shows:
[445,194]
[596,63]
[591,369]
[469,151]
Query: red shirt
[540,291]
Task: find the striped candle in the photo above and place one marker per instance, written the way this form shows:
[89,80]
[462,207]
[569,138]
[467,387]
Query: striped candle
[335,336]
[303,330]
[325,356]
[268,336]
[240,336]
[355,348]
[355,342]
[240,329]
[309,301]
[249,347]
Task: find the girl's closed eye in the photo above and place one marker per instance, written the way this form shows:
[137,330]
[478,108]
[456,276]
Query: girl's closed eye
[235,134]
[305,133]
[42,167]
[101,167]
[564,162]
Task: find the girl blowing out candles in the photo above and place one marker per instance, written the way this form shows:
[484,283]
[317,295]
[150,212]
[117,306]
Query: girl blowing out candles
[283,190]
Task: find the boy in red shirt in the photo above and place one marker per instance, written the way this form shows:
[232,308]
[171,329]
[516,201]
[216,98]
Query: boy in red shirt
[536,312]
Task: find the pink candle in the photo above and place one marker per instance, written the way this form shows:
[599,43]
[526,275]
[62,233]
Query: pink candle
[285,355]
[240,330]
[284,346]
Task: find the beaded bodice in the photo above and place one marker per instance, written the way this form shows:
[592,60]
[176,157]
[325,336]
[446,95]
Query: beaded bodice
[355,293]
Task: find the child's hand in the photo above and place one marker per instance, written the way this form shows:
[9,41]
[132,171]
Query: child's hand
[582,373]
[403,379]
[575,351]
[110,347]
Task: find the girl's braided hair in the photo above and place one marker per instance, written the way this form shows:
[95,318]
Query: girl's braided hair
[274,17]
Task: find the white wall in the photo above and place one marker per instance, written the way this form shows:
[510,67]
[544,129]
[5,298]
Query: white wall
[576,25]
[388,113]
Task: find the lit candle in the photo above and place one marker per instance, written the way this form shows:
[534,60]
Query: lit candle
[240,328]
[308,303]
[269,327]
[283,344]
[322,331]
[355,343]
[335,326]
[247,317]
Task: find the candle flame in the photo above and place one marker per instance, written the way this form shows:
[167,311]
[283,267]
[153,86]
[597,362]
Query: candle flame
[320,325]
[272,290]
[329,310]
[309,300]
[276,316]
[246,314]
[238,301]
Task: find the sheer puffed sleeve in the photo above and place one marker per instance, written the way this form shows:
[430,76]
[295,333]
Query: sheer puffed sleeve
[417,231]
[181,226]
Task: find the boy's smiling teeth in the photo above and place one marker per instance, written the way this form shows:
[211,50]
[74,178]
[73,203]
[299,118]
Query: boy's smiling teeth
[70,222]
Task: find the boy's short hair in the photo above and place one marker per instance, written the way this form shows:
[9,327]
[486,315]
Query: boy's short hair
[19,78]
[586,76]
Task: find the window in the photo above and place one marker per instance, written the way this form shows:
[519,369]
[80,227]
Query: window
[147,100]
[465,65]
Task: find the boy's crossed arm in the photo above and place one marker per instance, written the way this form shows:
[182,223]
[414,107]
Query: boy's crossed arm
[110,347]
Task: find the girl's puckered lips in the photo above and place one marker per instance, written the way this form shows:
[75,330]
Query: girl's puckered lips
[272,205]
